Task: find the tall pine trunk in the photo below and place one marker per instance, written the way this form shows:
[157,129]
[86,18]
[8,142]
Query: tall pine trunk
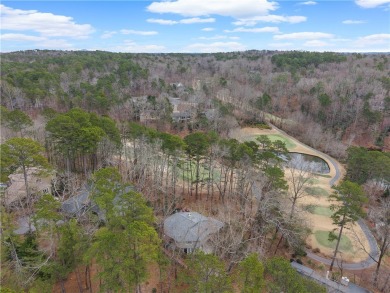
[337,245]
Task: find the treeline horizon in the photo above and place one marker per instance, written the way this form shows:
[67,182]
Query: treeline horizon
[342,97]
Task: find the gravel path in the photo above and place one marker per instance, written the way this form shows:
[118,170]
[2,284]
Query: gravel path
[371,240]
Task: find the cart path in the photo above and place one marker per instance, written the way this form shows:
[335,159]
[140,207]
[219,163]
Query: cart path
[322,155]
[368,262]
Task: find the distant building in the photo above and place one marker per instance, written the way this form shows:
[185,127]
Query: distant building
[182,111]
[176,85]
[181,116]
[196,85]
[191,230]
[39,182]
[174,102]
[147,116]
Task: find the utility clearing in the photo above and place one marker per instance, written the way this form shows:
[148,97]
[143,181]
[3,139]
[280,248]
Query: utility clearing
[315,205]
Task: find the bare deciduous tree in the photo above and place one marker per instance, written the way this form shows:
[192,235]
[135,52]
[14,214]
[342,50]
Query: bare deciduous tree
[299,176]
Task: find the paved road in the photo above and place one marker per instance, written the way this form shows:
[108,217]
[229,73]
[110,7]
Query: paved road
[330,285]
[371,240]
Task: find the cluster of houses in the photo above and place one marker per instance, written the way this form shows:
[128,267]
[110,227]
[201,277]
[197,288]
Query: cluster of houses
[183,108]
[183,230]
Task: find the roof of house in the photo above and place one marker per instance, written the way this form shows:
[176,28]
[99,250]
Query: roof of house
[25,224]
[186,107]
[190,227]
[78,203]
[38,181]
[181,115]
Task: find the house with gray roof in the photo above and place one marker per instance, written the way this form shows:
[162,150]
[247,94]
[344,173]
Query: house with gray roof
[181,110]
[191,230]
[77,204]
[82,202]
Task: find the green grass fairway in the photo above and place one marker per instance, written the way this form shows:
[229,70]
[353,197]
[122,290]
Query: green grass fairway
[322,238]
[203,172]
[313,181]
[322,175]
[321,210]
[273,137]
[316,191]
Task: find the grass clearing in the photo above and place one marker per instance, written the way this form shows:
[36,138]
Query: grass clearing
[203,172]
[274,137]
[319,210]
[323,175]
[316,191]
[313,181]
[322,238]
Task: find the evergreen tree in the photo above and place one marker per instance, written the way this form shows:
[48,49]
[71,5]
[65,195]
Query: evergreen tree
[16,120]
[205,273]
[23,153]
[282,277]
[250,275]
[348,199]
[197,146]
[128,243]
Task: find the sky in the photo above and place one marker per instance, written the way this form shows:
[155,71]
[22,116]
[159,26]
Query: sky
[196,26]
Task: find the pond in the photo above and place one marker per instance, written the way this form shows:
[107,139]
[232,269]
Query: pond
[317,165]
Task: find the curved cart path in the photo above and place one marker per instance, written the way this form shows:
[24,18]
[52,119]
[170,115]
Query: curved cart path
[371,240]
[335,164]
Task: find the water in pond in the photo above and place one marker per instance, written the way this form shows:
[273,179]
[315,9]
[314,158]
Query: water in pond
[315,164]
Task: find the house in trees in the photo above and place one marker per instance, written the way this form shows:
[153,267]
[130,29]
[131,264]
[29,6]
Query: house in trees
[147,116]
[176,85]
[76,205]
[82,202]
[190,230]
[182,111]
[39,182]
[181,116]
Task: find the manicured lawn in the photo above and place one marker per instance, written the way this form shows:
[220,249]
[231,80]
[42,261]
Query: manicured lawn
[316,191]
[313,181]
[203,171]
[273,137]
[322,175]
[322,238]
[289,143]
[321,210]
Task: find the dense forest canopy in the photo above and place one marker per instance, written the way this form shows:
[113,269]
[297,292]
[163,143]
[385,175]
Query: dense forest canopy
[343,96]
[298,59]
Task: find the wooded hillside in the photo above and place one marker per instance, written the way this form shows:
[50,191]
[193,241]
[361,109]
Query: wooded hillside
[128,140]
[337,96]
